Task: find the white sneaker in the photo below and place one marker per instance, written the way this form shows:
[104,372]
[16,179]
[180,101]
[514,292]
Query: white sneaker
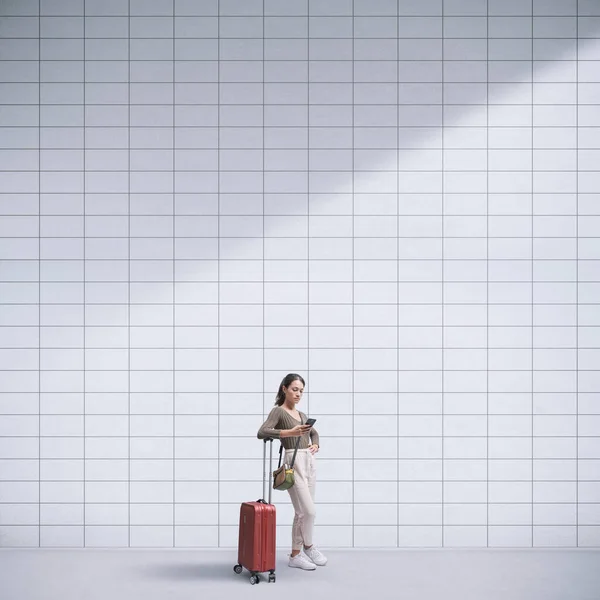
[315,556]
[301,562]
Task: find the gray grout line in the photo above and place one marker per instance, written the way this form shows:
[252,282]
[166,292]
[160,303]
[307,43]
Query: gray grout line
[577,273]
[337,38]
[522,437]
[250,238]
[487,276]
[443,240]
[397,277]
[300,60]
[174,275]
[129,277]
[365,82]
[367,15]
[463,459]
[353,284]
[545,279]
[39,275]
[457,417]
[265,469]
[84,284]
[308,148]
[219,326]
[532,265]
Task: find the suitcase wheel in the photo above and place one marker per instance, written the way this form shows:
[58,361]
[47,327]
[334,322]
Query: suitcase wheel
[238,569]
[254,579]
[272,578]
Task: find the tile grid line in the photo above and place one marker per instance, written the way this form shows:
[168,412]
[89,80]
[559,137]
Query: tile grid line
[263,224]
[39,274]
[577,274]
[308,89]
[359,127]
[285,171]
[291,60]
[219,279]
[129,277]
[414,414]
[286,15]
[398,274]
[84,274]
[453,37]
[308,257]
[344,237]
[463,458]
[443,181]
[370,504]
[234,260]
[487,277]
[457,436]
[353,286]
[173,266]
[532,263]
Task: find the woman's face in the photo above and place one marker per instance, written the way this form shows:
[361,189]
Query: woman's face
[293,393]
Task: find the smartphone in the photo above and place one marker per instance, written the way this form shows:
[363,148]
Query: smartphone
[310,422]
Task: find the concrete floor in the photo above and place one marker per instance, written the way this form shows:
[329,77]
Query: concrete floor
[132,574]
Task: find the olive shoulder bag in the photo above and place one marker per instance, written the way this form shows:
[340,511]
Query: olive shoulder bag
[283,476]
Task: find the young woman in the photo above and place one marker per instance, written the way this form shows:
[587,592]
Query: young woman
[285,422]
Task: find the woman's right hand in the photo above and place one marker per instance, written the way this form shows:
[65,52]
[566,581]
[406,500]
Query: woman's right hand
[299,430]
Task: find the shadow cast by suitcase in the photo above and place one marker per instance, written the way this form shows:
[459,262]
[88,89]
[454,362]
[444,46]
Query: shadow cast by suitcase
[189,571]
[192,571]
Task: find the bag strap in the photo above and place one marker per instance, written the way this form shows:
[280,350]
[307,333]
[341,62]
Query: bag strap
[297,444]
[295,450]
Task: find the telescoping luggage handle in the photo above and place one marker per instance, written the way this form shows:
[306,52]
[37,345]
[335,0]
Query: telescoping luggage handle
[265,466]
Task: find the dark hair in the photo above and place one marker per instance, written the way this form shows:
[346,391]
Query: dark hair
[286,382]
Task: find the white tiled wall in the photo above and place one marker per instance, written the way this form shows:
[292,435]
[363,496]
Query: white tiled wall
[399,199]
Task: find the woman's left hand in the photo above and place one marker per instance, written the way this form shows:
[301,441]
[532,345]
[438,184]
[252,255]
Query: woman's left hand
[313,448]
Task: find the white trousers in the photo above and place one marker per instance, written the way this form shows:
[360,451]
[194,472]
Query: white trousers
[302,494]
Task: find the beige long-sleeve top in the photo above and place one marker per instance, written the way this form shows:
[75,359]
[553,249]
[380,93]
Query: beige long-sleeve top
[279,419]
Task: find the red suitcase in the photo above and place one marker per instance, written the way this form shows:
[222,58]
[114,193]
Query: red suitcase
[256,549]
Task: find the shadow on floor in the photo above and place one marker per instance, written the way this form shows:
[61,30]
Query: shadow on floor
[189,571]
